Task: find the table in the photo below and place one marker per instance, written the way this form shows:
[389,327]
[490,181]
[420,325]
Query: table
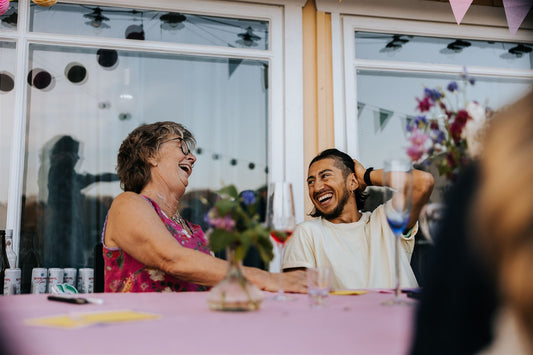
[354,324]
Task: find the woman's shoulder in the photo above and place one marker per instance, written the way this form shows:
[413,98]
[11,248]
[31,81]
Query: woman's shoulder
[129,200]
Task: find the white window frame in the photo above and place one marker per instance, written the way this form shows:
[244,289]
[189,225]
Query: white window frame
[285,97]
[411,18]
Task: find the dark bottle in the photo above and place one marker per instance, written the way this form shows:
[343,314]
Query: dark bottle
[30,260]
[5,263]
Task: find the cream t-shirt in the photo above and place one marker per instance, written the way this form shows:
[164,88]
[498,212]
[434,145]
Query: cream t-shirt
[361,254]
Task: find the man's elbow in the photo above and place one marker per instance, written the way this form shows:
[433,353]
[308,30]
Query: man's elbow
[425,183]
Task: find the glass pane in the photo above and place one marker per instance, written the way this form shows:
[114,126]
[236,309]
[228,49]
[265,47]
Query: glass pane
[386,100]
[8,58]
[78,119]
[8,21]
[150,25]
[403,48]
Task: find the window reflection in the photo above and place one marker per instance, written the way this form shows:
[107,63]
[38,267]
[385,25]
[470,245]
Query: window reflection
[75,128]
[150,25]
[407,48]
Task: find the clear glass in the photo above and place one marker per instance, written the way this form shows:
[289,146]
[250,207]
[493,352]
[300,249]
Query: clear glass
[406,48]
[8,21]
[398,197]
[75,129]
[281,222]
[7,112]
[149,25]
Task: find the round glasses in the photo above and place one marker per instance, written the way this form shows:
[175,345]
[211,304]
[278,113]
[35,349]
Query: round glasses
[183,145]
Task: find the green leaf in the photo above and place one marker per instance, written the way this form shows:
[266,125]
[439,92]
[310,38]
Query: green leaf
[219,239]
[224,207]
[230,191]
[265,248]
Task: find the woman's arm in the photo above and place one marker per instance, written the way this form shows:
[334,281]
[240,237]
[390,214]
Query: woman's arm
[135,227]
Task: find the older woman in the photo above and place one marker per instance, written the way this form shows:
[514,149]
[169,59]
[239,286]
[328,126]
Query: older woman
[148,247]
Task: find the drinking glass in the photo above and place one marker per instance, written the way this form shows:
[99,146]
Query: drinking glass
[281,222]
[398,197]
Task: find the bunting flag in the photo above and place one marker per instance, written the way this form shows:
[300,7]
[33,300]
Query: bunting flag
[516,11]
[381,118]
[459,8]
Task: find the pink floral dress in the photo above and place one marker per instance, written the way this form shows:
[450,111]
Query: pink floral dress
[123,273]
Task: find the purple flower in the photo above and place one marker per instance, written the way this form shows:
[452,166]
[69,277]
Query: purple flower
[452,87]
[433,94]
[248,197]
[420,121]
[437,136]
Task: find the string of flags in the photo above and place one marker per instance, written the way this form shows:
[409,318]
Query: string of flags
[515,11]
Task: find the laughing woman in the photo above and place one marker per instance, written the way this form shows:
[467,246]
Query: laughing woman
[148,247]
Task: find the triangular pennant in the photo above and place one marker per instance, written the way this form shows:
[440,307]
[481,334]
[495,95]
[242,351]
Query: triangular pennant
[516,11]
[233,64]
[459,8]
[381,118]
[360,107]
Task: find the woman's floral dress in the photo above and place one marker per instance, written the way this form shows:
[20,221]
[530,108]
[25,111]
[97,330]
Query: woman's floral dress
[123,273]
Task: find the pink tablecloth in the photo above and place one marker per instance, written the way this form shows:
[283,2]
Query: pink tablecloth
[349,324]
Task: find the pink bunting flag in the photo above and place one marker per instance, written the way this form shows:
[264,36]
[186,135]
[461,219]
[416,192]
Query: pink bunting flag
[516,11]
[459,8]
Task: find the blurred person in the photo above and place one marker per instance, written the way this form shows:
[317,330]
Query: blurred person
[358,246]
[67,242]
[147,245]
[478,289]
[503,220]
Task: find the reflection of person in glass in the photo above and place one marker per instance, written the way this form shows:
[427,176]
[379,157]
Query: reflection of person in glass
[67,243]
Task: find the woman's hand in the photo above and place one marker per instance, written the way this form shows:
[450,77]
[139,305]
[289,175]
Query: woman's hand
[292,281]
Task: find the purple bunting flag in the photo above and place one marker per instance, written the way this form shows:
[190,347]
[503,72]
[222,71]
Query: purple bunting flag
[516,11]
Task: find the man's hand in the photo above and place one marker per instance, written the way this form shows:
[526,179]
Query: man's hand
[360,174]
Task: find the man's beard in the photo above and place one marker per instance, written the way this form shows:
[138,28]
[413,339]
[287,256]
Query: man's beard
[338,210]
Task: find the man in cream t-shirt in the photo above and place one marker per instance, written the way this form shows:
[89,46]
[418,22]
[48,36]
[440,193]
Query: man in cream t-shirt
[357,246]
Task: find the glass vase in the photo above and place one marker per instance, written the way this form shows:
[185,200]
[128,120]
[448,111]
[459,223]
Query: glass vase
[234,293]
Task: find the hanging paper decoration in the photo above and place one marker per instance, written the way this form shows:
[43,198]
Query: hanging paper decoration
[45,3]
[382,118]
[459,8]
[7,81]
[76,73]
[4,6]
[516,11]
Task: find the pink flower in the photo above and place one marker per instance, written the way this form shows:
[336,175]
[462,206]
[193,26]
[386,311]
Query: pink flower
[417,148]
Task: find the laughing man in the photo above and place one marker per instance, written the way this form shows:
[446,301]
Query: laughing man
[357,246]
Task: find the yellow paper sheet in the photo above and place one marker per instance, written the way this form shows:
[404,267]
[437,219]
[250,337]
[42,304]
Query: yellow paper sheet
[76,320]
[347,292]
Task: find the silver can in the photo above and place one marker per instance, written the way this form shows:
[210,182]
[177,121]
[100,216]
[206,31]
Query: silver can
[39,278]
[85,280]
[12,279]
[69,276]
[55,277]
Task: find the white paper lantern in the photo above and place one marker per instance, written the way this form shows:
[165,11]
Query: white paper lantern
[45,3]
[4,6]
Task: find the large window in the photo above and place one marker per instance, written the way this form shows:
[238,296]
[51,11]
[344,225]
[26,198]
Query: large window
[88,75]
[388,64]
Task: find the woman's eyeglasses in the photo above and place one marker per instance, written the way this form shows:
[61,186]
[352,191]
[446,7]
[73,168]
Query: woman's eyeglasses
[183,145]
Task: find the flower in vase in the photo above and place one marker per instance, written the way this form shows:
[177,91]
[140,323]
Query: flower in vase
[234,223]
[449,130]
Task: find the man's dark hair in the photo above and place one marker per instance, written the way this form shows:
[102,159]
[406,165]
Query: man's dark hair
[344,162]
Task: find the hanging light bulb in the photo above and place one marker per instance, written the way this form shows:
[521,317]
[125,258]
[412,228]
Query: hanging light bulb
[248,38]
[126,98]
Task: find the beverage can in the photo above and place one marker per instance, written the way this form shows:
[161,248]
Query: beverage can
[12,280]
[39,277]
[69,276]
[55,277]
[85,280]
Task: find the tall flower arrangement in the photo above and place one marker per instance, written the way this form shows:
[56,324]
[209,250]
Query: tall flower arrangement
[234,223]
[449,128]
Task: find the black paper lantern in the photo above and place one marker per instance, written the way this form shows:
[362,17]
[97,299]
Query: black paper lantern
[135,32]
[233,162]
[107,58]
[7,83]
[76,73]
[40,79]
[251,166]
